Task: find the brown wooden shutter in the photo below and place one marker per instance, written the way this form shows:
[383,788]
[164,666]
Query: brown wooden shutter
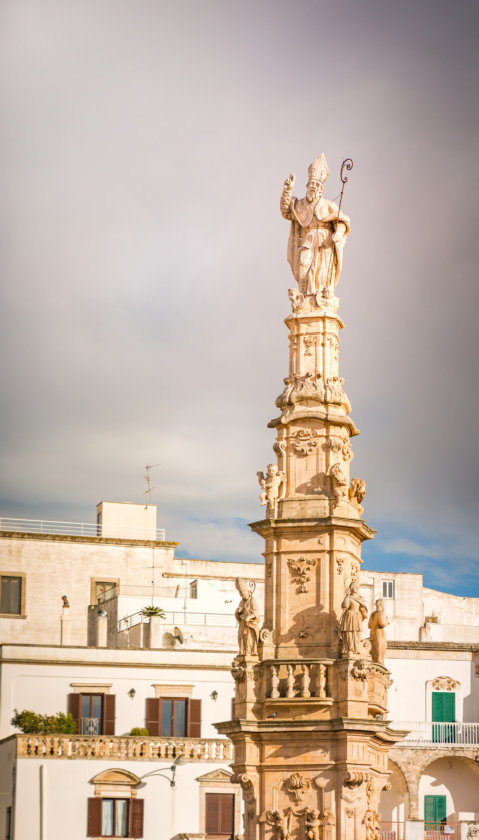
[153,716]
[226,811]
[94,817]
[212,813]
[108,714]
[194,719]
[136,817]
[74,701]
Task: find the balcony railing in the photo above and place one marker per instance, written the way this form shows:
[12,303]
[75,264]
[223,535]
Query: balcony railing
[122,747]
[79,529]
[391,831]
[129,591]
[432,734]
[197,619]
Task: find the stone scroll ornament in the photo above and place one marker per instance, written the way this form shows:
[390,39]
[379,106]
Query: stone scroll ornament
[300,569]
[247,616]
[318,231]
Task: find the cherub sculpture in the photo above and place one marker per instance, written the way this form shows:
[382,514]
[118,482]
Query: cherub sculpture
[273,487]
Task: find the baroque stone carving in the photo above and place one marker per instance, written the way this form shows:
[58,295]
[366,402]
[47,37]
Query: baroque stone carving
[310,342]
[317,235]
[347,450]
[296,298]
[280,820]
[313,824]
[350,812]
[297,388]
[247,616]
[339,483]
[372,821]
[357,492]
[351,621]
[354,778]
[334,445]
[339,565]
[304,441]
[273,487]
[359,670]
[444,684]
[300,569]
[334,393]
[378,621]
[297,785]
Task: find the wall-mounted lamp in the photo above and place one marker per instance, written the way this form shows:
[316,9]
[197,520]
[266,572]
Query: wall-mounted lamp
[214,694]
[177,762]
[132,693]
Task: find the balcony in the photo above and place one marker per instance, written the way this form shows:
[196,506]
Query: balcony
[76,529]
[429,734]
[123,747]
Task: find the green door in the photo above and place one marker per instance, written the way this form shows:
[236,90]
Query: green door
[434,811]
[443,712]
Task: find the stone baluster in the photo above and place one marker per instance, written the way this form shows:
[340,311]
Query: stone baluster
[321,681]
[305,681]
[290,681]
[274,682]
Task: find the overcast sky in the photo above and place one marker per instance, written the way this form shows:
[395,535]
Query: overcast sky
[144,273]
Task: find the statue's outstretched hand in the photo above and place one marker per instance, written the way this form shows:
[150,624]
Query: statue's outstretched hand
[289,181]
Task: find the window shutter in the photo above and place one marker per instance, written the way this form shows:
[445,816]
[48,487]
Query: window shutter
[194,718]
[440,808]
[136,817]
[94,817]
[74,701]
[108,714]
[212,813]
[449,706]
[153,716]
[226,814]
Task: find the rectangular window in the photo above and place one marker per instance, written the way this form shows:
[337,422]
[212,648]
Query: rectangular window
[91,714]
[443,713]
[114,818]
[388,589]
[103,590]
[434,811]
[11,595]
[220,815]
[173,717]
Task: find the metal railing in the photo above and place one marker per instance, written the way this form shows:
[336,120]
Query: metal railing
[391,831]
[121,747]
[432,734]
[80,529]
[117,591]
[90,726]
[197,619]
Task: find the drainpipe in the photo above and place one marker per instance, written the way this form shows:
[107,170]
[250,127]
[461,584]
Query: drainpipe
[42,801]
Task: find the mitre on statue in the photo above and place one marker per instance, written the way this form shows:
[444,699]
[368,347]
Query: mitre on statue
[318,169]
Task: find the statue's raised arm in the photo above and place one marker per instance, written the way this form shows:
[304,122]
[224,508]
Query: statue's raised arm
[318,233]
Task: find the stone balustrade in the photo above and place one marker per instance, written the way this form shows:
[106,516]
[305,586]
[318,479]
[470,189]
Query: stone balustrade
[124,747]
[298,680]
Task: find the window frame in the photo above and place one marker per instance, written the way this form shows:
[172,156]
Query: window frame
[22,578]
[388,584]
[116,799]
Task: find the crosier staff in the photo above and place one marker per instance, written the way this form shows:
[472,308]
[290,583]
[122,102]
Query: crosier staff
[346,164]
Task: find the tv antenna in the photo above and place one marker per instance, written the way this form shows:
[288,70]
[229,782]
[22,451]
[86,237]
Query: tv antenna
[149,488]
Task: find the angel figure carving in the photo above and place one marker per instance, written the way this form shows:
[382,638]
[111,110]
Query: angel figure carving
[273,487]
[281,822]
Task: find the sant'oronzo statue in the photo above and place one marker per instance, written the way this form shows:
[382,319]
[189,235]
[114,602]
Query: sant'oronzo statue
[318,233]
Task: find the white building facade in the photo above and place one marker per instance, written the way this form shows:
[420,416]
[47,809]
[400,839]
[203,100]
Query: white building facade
[78,634]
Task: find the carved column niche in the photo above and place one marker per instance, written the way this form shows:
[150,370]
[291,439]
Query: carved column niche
[310,735]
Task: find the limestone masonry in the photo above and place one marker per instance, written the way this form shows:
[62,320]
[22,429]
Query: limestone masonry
[311,744]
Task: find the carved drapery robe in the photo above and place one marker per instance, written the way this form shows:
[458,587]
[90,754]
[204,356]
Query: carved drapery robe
[316,261]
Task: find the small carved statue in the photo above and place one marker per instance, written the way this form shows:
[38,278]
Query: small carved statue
[357,492]
[339,483]
[247,616]
[313,824]
[318,233]
[273,486]
[351,622]
[65,600]
[296,298]
[378,621]
[281,822]
[372,821]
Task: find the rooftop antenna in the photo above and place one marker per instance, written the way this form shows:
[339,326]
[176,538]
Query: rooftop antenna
[149,488]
